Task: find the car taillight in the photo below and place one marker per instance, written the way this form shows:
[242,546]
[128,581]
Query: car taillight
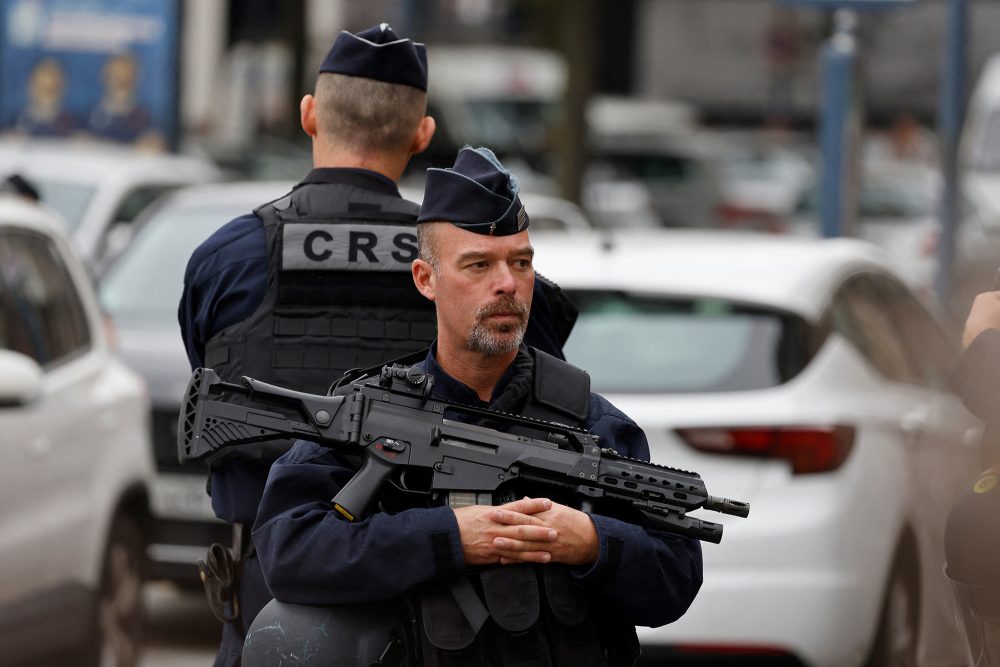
[808,449]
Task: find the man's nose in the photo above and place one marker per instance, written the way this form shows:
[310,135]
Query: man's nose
[504,280]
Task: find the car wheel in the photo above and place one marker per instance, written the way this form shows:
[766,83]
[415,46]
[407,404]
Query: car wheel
[896,639]
[118,635]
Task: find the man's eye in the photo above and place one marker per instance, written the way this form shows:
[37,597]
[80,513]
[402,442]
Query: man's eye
[522,263]
[477,265]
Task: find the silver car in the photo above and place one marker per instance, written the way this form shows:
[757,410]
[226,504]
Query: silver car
[75,464]
[100,189]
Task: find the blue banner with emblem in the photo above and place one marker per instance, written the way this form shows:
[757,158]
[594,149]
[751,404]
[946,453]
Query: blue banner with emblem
[103,69]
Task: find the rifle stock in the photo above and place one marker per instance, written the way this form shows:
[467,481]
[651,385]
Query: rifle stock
[395,425]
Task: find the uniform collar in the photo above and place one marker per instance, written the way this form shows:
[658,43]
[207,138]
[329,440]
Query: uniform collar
[360,178]
[447,388]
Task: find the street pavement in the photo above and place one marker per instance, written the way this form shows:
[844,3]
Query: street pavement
[181,631]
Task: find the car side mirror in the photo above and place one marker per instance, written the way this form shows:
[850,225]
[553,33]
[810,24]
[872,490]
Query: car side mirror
[20,379]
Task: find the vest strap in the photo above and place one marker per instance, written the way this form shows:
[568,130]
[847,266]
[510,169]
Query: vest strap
[561,387]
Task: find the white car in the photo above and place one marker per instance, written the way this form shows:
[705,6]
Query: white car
[802,376]
[75,465]
[100,189]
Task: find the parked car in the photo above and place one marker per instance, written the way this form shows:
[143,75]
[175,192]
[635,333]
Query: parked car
[141,292]
[764,176]
[75,463]
[100,189]
[803,376]
[504,97]
[657,145]
[897,210]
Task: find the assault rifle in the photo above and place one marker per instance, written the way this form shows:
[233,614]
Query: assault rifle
[396,427]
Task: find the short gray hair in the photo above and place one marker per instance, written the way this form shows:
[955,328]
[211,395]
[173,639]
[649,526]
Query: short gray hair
[367,115]
[427,247]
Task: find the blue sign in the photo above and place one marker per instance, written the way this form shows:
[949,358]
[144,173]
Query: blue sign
[105,69]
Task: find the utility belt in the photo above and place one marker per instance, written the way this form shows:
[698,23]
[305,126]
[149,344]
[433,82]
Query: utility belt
[220,575]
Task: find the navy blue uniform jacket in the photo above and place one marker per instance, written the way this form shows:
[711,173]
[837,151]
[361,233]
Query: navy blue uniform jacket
[312,556]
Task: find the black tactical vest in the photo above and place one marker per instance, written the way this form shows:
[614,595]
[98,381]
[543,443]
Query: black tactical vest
[525,615]
[339,290]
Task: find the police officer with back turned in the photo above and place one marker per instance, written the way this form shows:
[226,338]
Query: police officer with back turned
[526,582]
[317,282]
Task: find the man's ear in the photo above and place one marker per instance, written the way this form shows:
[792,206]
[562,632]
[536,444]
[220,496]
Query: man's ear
[422,137]
[307,115]
[423,278]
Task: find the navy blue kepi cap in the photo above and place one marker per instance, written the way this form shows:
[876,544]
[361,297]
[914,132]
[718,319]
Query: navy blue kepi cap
[477,194]
[377,53]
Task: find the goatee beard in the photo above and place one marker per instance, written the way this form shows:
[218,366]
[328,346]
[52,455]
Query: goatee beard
[497,338]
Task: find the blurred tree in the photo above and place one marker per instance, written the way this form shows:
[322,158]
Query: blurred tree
[571,26]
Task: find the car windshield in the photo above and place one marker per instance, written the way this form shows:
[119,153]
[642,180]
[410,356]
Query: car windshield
[68,199]
[642,344]
[144,286]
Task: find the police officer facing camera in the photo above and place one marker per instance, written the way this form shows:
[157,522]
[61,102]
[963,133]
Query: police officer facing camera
[972,532]
[317,282]
[528,581]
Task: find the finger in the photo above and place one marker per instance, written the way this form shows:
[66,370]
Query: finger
[506,544]
[525,557]
[527,534]
[512,518]
[528,505]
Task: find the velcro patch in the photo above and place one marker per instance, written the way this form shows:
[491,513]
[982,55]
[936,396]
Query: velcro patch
[351,247]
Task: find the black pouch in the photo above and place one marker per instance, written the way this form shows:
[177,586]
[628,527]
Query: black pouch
[515,635]
[573,636]
[451,618]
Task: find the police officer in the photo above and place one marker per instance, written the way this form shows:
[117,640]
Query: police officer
[317,282]
[531,581]
[972,547]
[972,532]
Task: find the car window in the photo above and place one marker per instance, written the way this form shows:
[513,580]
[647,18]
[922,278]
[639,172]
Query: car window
[861,315]
[138,199]
[656,167]
[68,199]
[930,351]
[41,314]
[642,344]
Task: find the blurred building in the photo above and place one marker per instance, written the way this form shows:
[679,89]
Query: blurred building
[245,64]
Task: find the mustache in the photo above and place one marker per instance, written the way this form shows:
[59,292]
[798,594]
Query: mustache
[503,305]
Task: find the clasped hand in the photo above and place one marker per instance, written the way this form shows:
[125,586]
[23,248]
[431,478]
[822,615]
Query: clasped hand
[530,530]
